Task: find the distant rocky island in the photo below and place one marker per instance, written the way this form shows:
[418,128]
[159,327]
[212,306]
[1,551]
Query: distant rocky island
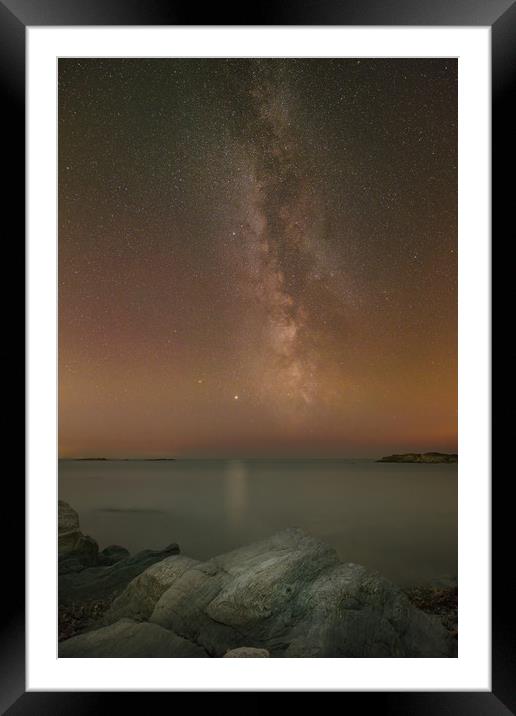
[123,459]
[427,457]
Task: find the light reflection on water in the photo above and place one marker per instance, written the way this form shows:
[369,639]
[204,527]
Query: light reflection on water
[236,493]
[398,519]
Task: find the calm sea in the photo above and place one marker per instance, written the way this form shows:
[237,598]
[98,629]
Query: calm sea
[398,519]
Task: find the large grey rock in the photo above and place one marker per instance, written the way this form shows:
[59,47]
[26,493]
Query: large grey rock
[291,595]
[246,652]
[129,639]
[75,550]
[111,555]
[68,519]
[351,612]
[105,583]
[139,598]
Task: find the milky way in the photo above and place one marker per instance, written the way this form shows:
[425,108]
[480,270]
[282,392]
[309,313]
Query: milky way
[257,257]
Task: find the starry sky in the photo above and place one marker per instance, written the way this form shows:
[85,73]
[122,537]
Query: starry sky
[257,257]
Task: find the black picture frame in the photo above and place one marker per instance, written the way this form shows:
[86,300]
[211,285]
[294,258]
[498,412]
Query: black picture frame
[500,16]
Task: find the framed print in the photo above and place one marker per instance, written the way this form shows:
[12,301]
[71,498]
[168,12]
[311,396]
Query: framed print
[258,365]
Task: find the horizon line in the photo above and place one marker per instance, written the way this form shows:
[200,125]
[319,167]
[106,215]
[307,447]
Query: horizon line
[252,457]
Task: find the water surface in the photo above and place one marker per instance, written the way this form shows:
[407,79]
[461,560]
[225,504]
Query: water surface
[398,519]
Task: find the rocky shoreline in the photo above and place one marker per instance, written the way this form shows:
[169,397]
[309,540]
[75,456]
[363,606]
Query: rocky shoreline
[286,596]
[425,457]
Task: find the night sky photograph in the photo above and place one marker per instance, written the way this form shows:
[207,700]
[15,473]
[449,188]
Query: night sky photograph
[257,320]
[257,257]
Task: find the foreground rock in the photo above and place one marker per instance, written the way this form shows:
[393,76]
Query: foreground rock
[76,617]
[68,520]
[127,638]
[246,652]
[426,457]
[111,555]
[439,599]
[77,551]
[138,600]
[104,583]
[287,596]
[73,547]
[291,595]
